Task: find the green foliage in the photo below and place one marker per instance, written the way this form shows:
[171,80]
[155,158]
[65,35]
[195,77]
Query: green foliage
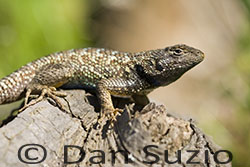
[247,5]
[242,63]
[240,130]
[30,29]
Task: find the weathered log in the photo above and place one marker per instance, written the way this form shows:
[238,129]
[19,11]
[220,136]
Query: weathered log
[75,135]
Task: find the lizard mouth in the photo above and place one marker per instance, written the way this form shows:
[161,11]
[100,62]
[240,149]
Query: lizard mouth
[199,57]
[202,55]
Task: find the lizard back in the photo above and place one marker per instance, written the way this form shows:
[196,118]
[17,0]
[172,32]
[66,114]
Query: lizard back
[89,66]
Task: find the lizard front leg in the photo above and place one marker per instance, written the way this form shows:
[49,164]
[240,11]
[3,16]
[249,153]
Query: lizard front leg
[115,86]
[104,97]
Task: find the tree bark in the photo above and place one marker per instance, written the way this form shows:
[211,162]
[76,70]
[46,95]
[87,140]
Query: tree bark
[75,135]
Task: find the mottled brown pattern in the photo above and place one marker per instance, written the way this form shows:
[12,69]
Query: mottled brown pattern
[106,71]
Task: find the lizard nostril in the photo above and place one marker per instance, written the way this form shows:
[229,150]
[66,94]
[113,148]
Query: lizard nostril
[199,53]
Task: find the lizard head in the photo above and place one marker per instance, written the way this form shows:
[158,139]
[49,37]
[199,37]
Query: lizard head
[180,57]
[176,60]
[167,65]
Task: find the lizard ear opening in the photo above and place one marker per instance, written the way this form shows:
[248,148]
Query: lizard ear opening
[159,67]
[139,69]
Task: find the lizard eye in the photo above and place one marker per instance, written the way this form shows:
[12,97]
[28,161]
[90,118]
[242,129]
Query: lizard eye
[178,52]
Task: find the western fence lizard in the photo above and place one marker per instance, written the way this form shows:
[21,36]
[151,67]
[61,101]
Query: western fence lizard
[108,72]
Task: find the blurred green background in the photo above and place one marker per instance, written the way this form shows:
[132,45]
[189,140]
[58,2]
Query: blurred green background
[216,93]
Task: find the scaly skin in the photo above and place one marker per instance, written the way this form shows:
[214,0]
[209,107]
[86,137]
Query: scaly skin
[105,71]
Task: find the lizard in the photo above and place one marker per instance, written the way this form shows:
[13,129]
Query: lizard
[105,71]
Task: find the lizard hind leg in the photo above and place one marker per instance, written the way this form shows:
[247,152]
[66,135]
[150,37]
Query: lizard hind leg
[46,81]
[45,91]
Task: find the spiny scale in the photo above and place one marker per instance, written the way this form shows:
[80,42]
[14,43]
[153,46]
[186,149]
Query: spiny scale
[108,72]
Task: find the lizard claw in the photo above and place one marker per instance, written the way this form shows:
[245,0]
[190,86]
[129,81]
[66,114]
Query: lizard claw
[110,115]
[49,91]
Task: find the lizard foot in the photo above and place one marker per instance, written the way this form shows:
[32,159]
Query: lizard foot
[49,91]
[111,115]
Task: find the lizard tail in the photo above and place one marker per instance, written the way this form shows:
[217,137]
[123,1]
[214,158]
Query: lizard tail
[13,86]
